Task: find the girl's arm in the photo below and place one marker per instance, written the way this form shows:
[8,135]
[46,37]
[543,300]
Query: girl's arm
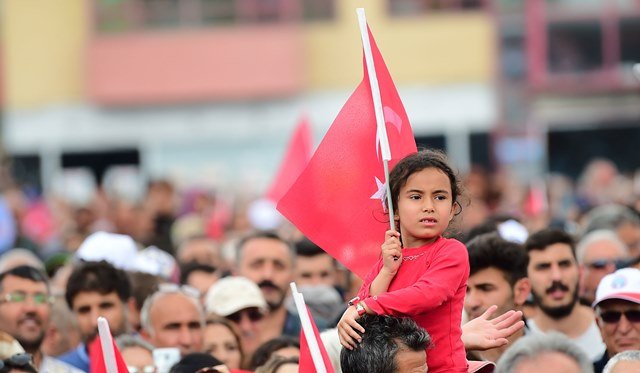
[391,258]
[448,271]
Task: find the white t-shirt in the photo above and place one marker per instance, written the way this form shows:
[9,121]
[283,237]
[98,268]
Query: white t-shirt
[590,341]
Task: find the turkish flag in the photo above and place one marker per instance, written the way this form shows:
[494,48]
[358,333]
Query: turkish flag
[337,200]
[96,358]
[306,361]
[295,160]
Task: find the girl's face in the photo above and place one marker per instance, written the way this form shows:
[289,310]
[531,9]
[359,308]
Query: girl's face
[425,207]
[220,342]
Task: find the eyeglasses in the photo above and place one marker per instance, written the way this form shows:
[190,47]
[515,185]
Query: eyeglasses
[144,369]
[253,314]
[604,263]
[21,297]
[21,360]
[612,317]
[184,289]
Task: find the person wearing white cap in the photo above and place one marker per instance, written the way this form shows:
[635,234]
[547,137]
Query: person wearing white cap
[239,300]
[617,307]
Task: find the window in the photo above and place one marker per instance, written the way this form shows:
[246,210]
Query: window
[630,40]
[124,15]
[574,46]
[416,7]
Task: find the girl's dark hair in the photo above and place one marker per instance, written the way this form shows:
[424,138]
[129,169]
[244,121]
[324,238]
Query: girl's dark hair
[416,162]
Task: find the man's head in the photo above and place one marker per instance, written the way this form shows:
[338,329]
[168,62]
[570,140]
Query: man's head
[553,271]
[25,306]
[240,301]
[200,249]
[619,219]
[199,276]
[627,361]
[599,253]
[552,352]
[389,345]
[173,317]
[314,266]
[98,289]
[267,259]
[617,307]
[498,275]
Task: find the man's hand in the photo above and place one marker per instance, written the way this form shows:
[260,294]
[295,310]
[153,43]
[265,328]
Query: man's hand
[484,334]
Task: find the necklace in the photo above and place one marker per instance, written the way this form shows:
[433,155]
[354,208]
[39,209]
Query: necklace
[412,257]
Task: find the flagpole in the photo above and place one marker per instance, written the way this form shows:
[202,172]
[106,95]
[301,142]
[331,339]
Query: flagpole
[307,328]
[377,106]
[107,346]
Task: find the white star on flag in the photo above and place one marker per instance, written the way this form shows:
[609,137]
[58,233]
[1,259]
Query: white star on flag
[381,192]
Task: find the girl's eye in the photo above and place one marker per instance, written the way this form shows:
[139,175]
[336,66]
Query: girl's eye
[414,196]
[441,198]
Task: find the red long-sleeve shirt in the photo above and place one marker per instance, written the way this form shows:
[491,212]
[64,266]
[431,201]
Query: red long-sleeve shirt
[429,287]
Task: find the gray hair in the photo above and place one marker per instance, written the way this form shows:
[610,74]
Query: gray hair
[599,235]
[164,290]
[630,355]
[532,346]
[17,257]
[609,217]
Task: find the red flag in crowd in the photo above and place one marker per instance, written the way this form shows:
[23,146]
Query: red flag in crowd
[306,361]
[337,200]
[96,357]
[295,160]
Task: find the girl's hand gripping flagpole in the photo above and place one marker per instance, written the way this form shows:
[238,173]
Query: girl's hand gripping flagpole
[377,106]
[107,346]
[307,329]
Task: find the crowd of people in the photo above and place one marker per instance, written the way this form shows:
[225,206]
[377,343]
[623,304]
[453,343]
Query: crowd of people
[478,276]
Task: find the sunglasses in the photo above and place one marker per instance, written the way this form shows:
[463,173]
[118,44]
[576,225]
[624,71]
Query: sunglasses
[604,263]
[612,317]
[253,314]
[21,360]
[21,297]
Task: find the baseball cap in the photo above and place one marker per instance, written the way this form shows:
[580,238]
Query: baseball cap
[117,249]
[480,366]
[622,284]
[232,294]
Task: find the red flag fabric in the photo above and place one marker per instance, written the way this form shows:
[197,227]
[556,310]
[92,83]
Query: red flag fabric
[97,359]
[295,160]
[336,202]
[306,361]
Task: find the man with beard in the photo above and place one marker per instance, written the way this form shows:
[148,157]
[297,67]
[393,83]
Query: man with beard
[267,260]
[97,289]
[25,309]
[554,275]
[498,277]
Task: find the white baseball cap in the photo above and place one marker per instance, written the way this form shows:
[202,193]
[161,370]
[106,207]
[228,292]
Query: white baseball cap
[232,294]
[117,249]
[622,284]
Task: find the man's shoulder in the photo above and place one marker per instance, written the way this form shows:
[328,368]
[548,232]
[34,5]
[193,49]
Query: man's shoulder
[53,365]
[77,358]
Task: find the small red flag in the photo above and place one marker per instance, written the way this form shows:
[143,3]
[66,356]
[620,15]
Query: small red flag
[295,160]
[337,200]
[96,358]
[306,361]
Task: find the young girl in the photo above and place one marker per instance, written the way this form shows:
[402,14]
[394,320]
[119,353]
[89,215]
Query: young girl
[420,274]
